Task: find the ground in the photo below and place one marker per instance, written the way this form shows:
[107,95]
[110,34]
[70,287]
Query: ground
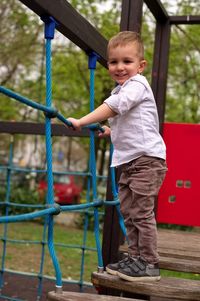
[25,287]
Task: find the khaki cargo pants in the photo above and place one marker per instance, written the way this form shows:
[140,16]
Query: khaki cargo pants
[139,184]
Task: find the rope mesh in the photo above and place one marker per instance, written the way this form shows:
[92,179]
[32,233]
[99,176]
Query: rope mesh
[50,208]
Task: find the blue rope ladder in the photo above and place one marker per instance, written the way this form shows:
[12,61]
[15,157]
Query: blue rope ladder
[51,208]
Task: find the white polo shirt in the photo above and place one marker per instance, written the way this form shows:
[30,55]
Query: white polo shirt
[135,128]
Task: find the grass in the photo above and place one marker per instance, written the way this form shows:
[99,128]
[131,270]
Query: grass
[166,273]
[26,256]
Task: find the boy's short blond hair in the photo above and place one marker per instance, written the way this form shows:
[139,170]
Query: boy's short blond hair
[127,37]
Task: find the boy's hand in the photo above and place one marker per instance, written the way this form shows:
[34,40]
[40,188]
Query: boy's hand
[106,132]
[76,123]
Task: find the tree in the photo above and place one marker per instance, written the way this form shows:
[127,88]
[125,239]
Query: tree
[23,62]
[183,94]
[19,34]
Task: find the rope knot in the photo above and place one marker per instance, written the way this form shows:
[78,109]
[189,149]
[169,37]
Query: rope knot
[98,203]
[56,207]
[51,113]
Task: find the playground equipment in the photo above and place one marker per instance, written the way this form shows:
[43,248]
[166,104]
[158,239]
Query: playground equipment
[95,42]
[51,207]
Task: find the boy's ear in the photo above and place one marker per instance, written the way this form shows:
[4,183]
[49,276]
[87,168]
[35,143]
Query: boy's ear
[142,66]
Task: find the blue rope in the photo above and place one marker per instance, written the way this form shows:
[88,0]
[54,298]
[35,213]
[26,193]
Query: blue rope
[49,111]
[9,298]
[8,180]
[28,216]
[115,195]
[92,66]
[53,208]
[50,192]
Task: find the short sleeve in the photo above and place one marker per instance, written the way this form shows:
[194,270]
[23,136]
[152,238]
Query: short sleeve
[128,97]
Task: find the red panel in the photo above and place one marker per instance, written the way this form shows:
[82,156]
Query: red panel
[179,197]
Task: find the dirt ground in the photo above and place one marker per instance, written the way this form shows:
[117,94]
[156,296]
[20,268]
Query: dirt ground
[25,288]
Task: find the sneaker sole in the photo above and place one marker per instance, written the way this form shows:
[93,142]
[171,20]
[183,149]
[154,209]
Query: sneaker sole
[112,272]
[142,278]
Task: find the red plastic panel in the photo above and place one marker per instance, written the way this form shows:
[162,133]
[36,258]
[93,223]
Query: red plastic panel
[179,197]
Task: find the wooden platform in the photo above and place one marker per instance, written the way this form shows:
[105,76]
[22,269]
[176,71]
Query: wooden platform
[72,296]
[178,250]
[181,289]
[179,244]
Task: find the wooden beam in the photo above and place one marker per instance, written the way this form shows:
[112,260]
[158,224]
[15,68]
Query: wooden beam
[111,230]
[160,67]
[30,128]
[111,234]
[185,20]
[131,15]
[167,288]
[158,10]
[74,296]
[72,25]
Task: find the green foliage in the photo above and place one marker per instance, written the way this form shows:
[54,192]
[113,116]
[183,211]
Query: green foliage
[23,195]
[183,80]
[19,34]
[22,57]
[23,62]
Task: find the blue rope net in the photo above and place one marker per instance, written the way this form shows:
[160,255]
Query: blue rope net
[48,210]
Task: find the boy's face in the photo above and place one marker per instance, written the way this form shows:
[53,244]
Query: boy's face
[124,62]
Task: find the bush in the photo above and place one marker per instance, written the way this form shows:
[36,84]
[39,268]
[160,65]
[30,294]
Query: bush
[24,196]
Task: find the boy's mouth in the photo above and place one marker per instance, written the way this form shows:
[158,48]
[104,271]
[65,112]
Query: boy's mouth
[121,75]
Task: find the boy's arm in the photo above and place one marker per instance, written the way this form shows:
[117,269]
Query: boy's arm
[103,112]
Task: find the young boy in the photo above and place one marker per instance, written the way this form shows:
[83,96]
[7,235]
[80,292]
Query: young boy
[139,153]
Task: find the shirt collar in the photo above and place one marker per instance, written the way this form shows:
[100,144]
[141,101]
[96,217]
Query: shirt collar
[118,87]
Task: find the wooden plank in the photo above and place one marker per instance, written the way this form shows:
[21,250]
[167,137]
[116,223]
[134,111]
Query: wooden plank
[181,289]
[73,296]
[72,25]
[179,265]
[180,244]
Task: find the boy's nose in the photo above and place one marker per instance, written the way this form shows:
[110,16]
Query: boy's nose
[120,66]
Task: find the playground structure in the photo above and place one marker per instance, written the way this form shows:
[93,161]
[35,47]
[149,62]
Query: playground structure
[90,40]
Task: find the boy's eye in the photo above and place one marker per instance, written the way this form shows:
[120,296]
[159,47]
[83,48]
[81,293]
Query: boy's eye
[127,61]
[114,62]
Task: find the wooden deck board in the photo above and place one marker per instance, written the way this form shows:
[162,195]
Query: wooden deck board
[180,265]
[168,287]
[180,244]
[73,296]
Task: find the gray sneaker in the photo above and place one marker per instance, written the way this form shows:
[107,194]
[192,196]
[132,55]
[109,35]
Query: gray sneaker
[139,270]
[112,268]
